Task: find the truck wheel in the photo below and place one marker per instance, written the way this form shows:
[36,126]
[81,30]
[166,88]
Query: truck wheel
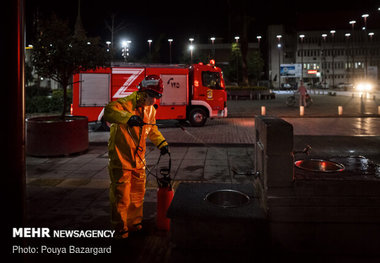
[197,117]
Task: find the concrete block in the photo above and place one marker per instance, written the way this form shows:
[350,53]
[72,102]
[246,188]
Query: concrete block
[278,170]
[275,134]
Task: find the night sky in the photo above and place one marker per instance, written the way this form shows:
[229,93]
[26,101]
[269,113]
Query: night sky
[181,20]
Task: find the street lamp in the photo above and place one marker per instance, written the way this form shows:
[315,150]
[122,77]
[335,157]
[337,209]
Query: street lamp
[150,44]
[347,35]
[237,59]
[108,45]
[353,22]
[279,60]
[259,38]
[323,59]
[365,16]
[170,40]
[213,47]
[332,32]
[125,48]
[370,34]
[302,37]
[191,48]
[150,48]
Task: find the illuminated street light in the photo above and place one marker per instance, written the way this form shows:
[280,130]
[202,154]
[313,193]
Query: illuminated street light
[191,48]
[302,37]
[259,39]
[332,32]
[323,58]
[150,44]
[237,39]
[108,45]
[352,23]
[279,60]
[213,47]
[125,48]
[365,16]
[170,40]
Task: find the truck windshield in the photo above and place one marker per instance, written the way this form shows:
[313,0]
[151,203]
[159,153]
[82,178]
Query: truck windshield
[211,80]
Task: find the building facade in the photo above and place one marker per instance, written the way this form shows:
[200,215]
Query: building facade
[326,59]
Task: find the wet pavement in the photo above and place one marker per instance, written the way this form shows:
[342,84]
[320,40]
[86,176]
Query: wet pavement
[71,192]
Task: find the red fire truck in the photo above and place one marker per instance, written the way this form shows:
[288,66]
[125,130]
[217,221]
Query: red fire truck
[195,92]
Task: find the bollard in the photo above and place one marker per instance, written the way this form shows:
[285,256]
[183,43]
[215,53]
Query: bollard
[263,110]
[302,110]
[340,110]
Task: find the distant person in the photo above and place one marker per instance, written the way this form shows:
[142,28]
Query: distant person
[302,91]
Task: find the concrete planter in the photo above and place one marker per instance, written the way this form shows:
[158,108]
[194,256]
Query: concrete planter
[52,136]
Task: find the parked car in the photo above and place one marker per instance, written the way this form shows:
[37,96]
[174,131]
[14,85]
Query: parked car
[345,86]
[286,86]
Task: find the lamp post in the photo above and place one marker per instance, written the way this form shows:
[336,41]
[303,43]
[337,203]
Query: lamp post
[170,40]
[191,48]
[302,37]
[213,47]
[370,34]
[332,32]
[347,35]
[259,39]
[323,59]
[108,45]
[150,46]
[365,16]
[279,60]
[125,49]
[237,59]
[352,23]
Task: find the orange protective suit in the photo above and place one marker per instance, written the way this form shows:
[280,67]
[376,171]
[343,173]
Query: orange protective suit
[126,167]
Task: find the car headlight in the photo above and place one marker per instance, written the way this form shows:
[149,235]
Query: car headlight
[364,86]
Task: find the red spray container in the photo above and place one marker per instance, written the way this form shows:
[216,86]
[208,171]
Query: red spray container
[164,198]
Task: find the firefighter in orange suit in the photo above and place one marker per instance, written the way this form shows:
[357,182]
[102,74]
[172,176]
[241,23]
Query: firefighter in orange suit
[126,150]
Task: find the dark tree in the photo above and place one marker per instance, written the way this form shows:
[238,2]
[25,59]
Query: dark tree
[59,52]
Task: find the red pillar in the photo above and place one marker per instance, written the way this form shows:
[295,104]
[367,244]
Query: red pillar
[12,114]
